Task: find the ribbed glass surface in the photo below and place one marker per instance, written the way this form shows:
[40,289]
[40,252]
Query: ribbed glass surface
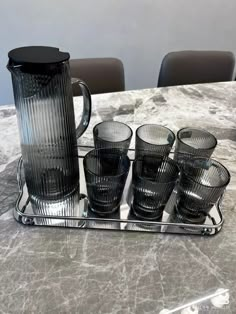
[155,139]
[196,142]
[112,134]
[46,121]
[106,172]
[201,184]
[154,179]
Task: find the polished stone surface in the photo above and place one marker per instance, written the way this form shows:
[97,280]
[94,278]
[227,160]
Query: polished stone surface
[45,270]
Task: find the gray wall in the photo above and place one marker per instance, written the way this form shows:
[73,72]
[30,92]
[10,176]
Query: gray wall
[140,32]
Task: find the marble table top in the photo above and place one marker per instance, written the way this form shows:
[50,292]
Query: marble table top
[45,270]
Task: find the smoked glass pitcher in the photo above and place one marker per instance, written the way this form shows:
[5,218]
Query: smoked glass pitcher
[45,113]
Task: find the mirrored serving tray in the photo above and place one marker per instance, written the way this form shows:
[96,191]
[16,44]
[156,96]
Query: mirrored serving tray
[123,220]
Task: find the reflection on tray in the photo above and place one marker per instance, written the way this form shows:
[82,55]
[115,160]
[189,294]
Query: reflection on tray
[100,224]
[141,226]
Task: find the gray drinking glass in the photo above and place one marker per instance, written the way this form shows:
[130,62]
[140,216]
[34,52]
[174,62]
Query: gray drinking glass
[202,182]
[112,134]
[154,178]
[194,142]
[106,172]
[153,138]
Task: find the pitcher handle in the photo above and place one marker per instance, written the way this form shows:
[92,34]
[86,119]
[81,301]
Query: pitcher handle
[86,108]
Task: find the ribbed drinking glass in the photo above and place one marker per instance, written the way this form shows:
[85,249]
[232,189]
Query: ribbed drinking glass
[201,184]
[106,172]
[194,142]
[112,134]
[154,178]
[154,139]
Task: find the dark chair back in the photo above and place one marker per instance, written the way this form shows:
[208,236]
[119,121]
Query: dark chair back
[102,75]
[193,67]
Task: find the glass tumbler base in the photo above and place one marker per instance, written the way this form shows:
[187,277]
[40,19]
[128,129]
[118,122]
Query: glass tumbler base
[105,212]
[144,214]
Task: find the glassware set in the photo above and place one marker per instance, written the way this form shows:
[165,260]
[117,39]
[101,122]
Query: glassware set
[175,192]
[198,180]
[52,170]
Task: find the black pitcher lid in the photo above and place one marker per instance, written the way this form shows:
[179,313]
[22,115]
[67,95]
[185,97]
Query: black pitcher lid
[40,55]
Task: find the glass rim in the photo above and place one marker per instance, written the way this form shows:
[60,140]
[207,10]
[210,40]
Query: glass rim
[116,122]
[159,126]
[196,129]
[119,153]
[166,158]
[208,186]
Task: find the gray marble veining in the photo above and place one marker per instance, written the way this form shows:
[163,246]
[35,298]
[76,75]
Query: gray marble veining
[45,270]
